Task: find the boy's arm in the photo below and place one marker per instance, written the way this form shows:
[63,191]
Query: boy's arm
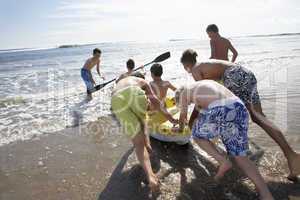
[212,49]
[193,117]
[98,70]
[157,103]
[120,78]
[172,87]
[234,52]
[183,116]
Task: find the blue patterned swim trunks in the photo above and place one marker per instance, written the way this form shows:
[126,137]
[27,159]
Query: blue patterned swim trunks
[242,83]
[227,118]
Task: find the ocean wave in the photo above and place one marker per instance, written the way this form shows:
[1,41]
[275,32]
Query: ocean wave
[11,101]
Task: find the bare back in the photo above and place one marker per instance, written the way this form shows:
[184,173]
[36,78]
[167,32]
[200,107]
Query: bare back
[212,70]
[202,93]
[90,63]
[129,81]
[220,46]
[160,88]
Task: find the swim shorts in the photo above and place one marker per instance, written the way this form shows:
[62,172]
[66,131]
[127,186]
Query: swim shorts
[129,106]
[227,119]
[87,78]
[242,83]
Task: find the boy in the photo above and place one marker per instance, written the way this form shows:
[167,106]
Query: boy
[130,101]
[224,115]
[219,45]
[86,71]
[130,66]
[159,86]
[243,84]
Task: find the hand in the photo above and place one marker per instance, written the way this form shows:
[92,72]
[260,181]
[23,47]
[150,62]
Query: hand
[175,129]
[174,121]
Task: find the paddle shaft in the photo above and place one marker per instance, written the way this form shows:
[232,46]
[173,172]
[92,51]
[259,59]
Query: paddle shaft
[160,58]
[98,87]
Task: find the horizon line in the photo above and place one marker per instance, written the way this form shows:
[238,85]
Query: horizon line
[171,39]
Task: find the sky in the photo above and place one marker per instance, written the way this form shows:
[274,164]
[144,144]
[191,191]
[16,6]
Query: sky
[46,23]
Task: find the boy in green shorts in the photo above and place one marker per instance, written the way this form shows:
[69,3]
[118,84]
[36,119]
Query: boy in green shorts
[131,98]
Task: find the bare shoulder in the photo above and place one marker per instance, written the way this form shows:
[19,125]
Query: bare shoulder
[151,83]
[166,83]
[204,64]
[226,41]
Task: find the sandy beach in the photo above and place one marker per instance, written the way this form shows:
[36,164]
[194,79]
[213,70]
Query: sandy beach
[83,163]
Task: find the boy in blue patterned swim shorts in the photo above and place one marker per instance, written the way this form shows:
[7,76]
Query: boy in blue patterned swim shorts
[224,115]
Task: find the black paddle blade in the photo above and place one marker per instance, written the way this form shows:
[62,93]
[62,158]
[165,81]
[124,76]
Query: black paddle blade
[162,57]
[100,86]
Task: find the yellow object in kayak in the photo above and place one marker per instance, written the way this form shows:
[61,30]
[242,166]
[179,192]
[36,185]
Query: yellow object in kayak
[170,102]
[161,129]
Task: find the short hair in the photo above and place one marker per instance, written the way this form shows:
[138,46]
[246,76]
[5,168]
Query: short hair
[138,75]
[212,28]
[156,69]
[96,50]
[130,64]
[189,56]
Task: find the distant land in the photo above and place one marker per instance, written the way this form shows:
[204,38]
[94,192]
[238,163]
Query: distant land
[272,35]
[170,40]
[181,39]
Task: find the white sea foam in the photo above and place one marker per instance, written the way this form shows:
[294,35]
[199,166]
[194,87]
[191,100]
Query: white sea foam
[44,93]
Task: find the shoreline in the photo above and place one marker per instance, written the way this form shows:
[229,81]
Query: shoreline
[73,164]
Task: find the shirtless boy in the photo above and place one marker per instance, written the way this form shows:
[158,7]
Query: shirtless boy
[159,86]
[219,45]
[131,98]
[243,84]
[130,66]
[86,71]
[224,115]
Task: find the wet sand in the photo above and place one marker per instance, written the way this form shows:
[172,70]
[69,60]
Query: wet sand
[87,163]
[95,162]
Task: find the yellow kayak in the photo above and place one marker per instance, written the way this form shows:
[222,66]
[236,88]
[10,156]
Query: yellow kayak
[160,128]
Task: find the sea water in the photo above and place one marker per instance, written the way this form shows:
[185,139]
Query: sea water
[41,90]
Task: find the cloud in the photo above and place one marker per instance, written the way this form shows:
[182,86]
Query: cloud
[164,19]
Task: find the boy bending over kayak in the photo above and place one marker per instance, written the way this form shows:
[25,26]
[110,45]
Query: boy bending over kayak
[159,86]
[224,115]
[242,82]
[130,101]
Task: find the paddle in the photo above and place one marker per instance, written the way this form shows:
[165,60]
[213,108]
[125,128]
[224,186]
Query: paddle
[160,58]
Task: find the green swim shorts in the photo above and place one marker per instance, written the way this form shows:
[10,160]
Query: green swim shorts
[130,106]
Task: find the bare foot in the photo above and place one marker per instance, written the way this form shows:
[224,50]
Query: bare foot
[294,166]
[269,197]
[154,184]
[223,168]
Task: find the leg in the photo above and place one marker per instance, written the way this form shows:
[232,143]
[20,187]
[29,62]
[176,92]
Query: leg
[210,148]
[147,139]
[250,170]
[143,157]
[274,132]
[89,95]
